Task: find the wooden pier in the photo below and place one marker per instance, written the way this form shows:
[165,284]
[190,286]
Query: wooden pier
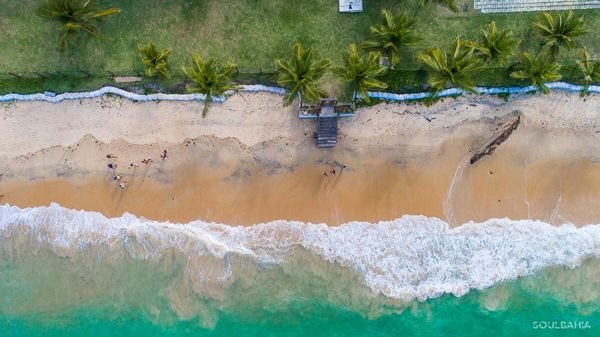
[327,128]
[327,132]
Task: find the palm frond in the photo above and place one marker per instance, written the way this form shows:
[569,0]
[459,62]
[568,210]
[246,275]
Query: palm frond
[393,35]
[301,73]
[560,31]
[361,73]
[454,68]
[156,61]
[589,71]
[210,77]
[75,16]
[537,70]
[496,45]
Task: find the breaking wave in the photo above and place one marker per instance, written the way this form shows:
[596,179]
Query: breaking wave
[413,257]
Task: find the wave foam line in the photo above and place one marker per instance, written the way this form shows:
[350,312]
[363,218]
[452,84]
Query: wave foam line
[413,257]
[53,98]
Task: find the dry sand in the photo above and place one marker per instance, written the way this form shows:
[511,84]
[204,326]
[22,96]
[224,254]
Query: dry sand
[253,161]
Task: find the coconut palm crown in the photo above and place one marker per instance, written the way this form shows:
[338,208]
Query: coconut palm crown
[211,78]
[451,68]
[75,16]
[560,31]
[537,70]
[589,70]
[496,45]
[361,73]
[393,35]
[301,73]
[156,61]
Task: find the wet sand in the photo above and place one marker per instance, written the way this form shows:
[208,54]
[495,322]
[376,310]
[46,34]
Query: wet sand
[441,185]
[549,169]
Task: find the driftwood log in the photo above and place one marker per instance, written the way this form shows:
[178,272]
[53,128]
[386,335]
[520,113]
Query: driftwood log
[506,129]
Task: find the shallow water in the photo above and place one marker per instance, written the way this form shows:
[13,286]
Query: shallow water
[73,273]
[510,309]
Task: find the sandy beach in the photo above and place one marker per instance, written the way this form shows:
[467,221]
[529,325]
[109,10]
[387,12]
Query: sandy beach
[253,160]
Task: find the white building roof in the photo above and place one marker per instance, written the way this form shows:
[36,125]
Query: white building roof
[499,6]
[350,6]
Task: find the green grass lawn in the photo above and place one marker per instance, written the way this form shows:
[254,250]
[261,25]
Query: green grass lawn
[250,33]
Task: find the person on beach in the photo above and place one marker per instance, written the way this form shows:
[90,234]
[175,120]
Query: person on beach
[117,178]
[134,165]
[332,171]
[146,161]
[111,156]
[112,166]
[325,174]
[164,155]
[123,185]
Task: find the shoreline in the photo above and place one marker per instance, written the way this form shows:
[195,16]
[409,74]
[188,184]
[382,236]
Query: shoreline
[252,161]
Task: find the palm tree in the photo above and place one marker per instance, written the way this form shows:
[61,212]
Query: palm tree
[538,70]
[451,4]
[456,68]
[497,46]
[361,73]
[211,78]
[393,35]
[156,61]
[559,31]
[300,74]
[75,16]
[590,71]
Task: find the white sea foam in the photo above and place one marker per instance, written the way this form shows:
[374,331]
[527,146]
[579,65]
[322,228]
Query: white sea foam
[411,257]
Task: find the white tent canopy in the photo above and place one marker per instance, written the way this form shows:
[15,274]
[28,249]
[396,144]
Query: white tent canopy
[351,6]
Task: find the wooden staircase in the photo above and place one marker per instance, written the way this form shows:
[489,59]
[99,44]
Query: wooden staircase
[327,131]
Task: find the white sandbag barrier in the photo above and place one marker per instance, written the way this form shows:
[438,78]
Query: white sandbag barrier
[263,88]
[482,90]
[56,98]
[50,97]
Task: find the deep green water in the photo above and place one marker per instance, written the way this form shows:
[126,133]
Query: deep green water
[555,296]
[441,317]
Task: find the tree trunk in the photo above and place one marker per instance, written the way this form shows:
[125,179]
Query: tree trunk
[507,129]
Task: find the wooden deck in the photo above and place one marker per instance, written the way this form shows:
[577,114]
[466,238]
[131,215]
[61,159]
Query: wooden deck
[326,112]
[327,131]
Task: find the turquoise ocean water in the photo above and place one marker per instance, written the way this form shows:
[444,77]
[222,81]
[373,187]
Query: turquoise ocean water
[74,273]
